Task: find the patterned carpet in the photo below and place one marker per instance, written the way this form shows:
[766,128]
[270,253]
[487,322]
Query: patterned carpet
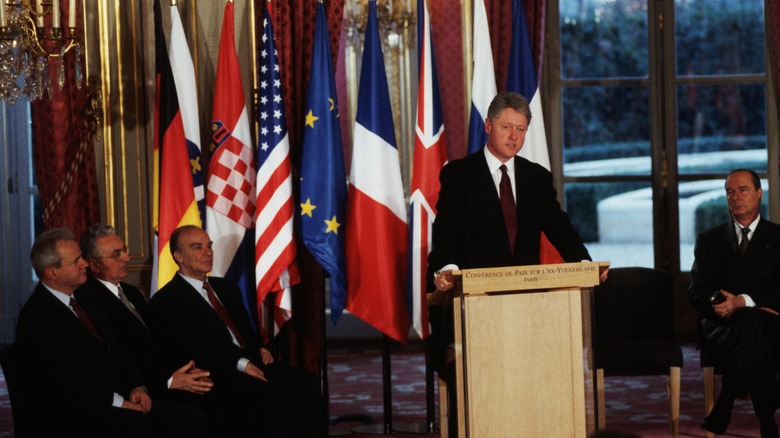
[355,381]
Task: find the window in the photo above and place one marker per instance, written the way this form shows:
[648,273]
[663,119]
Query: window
[652,104]
[17,196]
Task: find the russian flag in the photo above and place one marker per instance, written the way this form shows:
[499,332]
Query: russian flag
[521,78]
[430,155]
[483,84]
[376,213]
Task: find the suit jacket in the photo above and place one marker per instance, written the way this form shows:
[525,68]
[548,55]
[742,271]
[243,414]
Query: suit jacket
[70,365]
[127,328]
[469,228]
[719,265]
[186,327]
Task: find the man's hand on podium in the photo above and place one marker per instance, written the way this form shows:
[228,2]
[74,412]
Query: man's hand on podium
[444,281]
[603,271]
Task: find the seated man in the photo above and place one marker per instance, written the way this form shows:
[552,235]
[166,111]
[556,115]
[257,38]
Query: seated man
[202,318]
[85,383]
[126,308]
[735,286]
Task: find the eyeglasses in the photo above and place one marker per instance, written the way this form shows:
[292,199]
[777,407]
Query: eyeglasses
[116,255]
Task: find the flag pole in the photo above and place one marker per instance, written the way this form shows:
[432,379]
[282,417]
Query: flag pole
[386,428]
[324,388]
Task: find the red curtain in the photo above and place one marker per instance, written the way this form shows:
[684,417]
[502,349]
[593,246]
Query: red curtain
[63,152]
[294,25]
[447,39]
[500,22]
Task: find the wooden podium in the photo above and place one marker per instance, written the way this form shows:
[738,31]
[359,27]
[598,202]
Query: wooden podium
[524,362]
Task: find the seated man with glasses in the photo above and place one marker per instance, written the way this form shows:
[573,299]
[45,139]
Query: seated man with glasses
[83,381]
[126,306]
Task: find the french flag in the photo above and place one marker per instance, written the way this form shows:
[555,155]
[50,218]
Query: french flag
[430,155]
[521,78]
[376,244]
[483,84]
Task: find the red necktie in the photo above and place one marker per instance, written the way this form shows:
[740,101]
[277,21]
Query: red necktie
[84,318]
[508,207]
[223,314]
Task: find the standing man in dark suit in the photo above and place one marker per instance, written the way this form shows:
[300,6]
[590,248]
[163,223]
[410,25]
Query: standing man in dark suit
[735,286]
[127,307]
[493,207]
[85,383]
[202,318]
[472,229]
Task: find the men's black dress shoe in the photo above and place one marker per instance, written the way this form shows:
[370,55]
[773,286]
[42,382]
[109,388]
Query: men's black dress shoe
[715,424]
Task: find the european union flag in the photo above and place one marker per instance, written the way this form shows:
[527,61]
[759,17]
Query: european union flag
[323,180]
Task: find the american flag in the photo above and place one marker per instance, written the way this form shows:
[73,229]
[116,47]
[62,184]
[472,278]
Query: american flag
[275,266]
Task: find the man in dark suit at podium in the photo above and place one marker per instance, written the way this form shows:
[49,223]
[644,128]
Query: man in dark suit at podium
[735,286]
[493,207]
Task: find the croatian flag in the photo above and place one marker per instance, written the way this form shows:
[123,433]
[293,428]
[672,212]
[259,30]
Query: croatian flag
[274,246]
[521,78]
[430,155]
[483,84]
[230,193]
[376,213]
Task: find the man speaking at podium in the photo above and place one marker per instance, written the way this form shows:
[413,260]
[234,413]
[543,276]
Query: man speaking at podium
[493,207]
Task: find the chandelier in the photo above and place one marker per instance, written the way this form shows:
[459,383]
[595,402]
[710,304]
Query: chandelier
[32,39]
[392,19]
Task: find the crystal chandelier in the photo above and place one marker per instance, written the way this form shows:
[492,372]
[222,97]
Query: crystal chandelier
[392,19]
[32,37]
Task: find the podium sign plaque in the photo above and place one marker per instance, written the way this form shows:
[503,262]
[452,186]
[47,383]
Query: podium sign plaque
[523,350]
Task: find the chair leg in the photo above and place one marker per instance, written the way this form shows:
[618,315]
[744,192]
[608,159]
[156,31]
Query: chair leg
[709,391]
[443,409]
[601,404]
[674,400]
